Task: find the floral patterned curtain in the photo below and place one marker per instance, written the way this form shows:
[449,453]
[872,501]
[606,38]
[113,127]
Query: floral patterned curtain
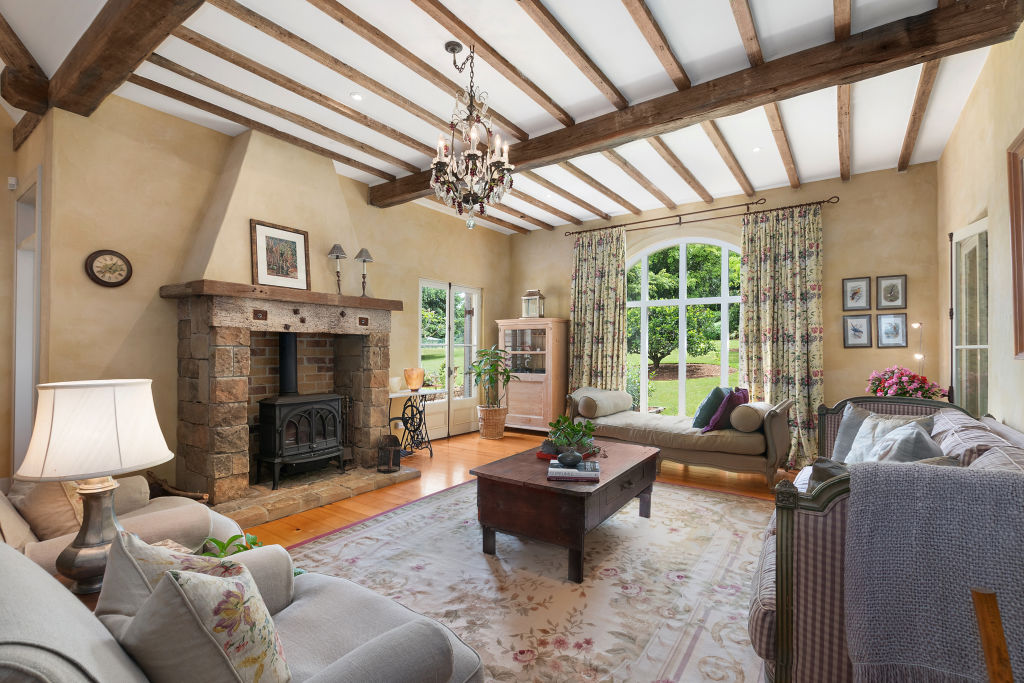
[781,329]
[597,315]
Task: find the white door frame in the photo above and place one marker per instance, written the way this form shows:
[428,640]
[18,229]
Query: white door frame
[977,227]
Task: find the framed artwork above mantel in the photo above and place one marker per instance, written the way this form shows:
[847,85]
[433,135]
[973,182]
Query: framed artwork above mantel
[280,255]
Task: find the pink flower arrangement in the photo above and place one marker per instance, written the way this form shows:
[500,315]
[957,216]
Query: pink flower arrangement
[899,381]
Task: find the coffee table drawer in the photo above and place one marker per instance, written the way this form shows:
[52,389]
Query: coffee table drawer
[626,486]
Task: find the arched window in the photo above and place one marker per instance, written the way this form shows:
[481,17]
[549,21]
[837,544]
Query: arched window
[672,300]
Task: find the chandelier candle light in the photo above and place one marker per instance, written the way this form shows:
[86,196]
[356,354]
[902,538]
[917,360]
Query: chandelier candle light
[473,179]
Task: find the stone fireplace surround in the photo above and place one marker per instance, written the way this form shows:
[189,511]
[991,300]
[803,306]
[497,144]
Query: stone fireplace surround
[215,325]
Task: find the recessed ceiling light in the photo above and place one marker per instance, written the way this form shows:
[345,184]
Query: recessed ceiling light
[357,96]
[757,149]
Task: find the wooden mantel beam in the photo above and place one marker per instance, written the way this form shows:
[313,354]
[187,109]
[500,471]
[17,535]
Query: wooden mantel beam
[963,26]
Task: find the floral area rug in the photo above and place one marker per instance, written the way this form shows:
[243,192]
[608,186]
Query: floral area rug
[663,599]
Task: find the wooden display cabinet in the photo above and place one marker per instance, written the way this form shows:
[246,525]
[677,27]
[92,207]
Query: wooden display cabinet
[539,355]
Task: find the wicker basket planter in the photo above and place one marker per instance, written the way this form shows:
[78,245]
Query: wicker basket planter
[492,422]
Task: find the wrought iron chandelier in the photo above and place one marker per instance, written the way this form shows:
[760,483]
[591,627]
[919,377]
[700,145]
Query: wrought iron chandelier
[471,180]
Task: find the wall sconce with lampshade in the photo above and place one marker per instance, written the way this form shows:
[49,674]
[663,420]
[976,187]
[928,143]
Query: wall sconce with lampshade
[336,254]
[364,257]
[87,432]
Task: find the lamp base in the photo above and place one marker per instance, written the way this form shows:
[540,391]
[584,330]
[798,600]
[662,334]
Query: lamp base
[85,559]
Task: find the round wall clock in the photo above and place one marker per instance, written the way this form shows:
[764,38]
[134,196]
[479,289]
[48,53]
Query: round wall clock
[108,268]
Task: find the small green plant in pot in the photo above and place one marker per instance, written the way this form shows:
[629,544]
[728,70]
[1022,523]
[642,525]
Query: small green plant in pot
[491,372]
[567,435]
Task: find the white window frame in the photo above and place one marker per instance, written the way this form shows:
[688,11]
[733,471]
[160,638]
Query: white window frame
[723,301]
[975,228]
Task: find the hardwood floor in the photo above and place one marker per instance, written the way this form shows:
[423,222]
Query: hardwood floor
[453,458]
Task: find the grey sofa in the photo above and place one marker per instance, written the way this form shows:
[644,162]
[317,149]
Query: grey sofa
[761,451]
[330,629]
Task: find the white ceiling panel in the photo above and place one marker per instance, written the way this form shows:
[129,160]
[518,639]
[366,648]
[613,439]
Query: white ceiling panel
[750,138]
[703,36]
[50,28]
[695,150]
[597,24]
[879,111]
[577,187]
[533,189]
[642,155]
[602,169]
[518,205]
[812,126]
[481,222]
[791,26]
[356,174]
[956,77]
[865,14]
[173,107]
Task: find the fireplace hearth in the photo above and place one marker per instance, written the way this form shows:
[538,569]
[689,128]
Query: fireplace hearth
[300,432]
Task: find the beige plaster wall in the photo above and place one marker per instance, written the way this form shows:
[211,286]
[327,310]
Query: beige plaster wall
[878,228]
[7,199]
[972,184]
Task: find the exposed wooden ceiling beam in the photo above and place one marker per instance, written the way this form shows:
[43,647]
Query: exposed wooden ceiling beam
[642,180]
[924,91]
[302,121]
[672,160]
[254,67]
[123,34]
[718,140]
[24,128]
[656,39]
[536,10]
[748,32]
[389,45]
[339,67]
[544,206]
[565,194]
[216,110]
[443,16]
[497,221]
[782,142]
[525,217]
[841,18]
[23,82]
[966,25]
[599,186]
[843,109]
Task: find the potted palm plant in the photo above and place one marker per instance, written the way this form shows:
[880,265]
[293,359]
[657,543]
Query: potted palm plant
[492,374]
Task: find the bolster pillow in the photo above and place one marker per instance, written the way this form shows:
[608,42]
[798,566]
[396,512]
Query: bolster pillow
[598,403]
[748,417]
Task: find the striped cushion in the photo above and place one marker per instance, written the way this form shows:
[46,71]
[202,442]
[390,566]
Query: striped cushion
[1001,458]
[968,443]
[761,616]
[949,420]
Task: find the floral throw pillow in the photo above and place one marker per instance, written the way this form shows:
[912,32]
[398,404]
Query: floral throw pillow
[221,622]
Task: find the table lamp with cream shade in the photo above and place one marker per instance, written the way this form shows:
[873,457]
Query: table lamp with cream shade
[88,431]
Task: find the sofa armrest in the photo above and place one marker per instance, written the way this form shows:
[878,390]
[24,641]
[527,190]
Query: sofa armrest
[132,493]
[777,435]
[424,655]
[271,569]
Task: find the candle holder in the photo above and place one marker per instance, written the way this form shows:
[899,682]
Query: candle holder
[336,254]
[364,257]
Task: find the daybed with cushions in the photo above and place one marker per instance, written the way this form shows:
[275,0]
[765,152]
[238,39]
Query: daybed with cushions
[41,519]
[151,624]
[757,441]
[797,620]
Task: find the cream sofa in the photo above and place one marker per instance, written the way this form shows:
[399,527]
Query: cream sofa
[331,630]
[761,450]
[168,517]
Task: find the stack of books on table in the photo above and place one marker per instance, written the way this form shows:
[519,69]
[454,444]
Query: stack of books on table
[587,471]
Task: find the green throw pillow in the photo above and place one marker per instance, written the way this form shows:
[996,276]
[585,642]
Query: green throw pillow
[709,406]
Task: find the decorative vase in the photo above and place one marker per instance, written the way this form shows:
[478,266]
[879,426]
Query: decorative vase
[414,378]
[570,458]
[492,421]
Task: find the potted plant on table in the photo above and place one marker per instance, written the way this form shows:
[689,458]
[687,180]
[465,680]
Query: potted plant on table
[491,372]
[566,436]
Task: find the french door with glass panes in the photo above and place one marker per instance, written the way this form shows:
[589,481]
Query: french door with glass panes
[970,318]
[449,339]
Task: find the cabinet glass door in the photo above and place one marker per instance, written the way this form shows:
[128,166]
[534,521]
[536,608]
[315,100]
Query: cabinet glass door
[527,350]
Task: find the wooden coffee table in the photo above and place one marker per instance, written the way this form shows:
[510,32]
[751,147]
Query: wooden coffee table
[515,497]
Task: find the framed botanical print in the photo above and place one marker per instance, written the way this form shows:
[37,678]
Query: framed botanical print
[892,330]
[857,294]
[857,331]
[280,255]
[891,291]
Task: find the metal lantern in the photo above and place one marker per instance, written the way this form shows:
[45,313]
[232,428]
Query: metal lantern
[389,454]
[533,304]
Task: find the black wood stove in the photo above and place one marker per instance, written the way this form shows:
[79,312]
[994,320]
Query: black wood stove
[300,432]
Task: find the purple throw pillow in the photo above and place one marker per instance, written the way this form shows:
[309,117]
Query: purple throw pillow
[720,420]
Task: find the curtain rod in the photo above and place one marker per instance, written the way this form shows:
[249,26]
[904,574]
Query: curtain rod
[834,199]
